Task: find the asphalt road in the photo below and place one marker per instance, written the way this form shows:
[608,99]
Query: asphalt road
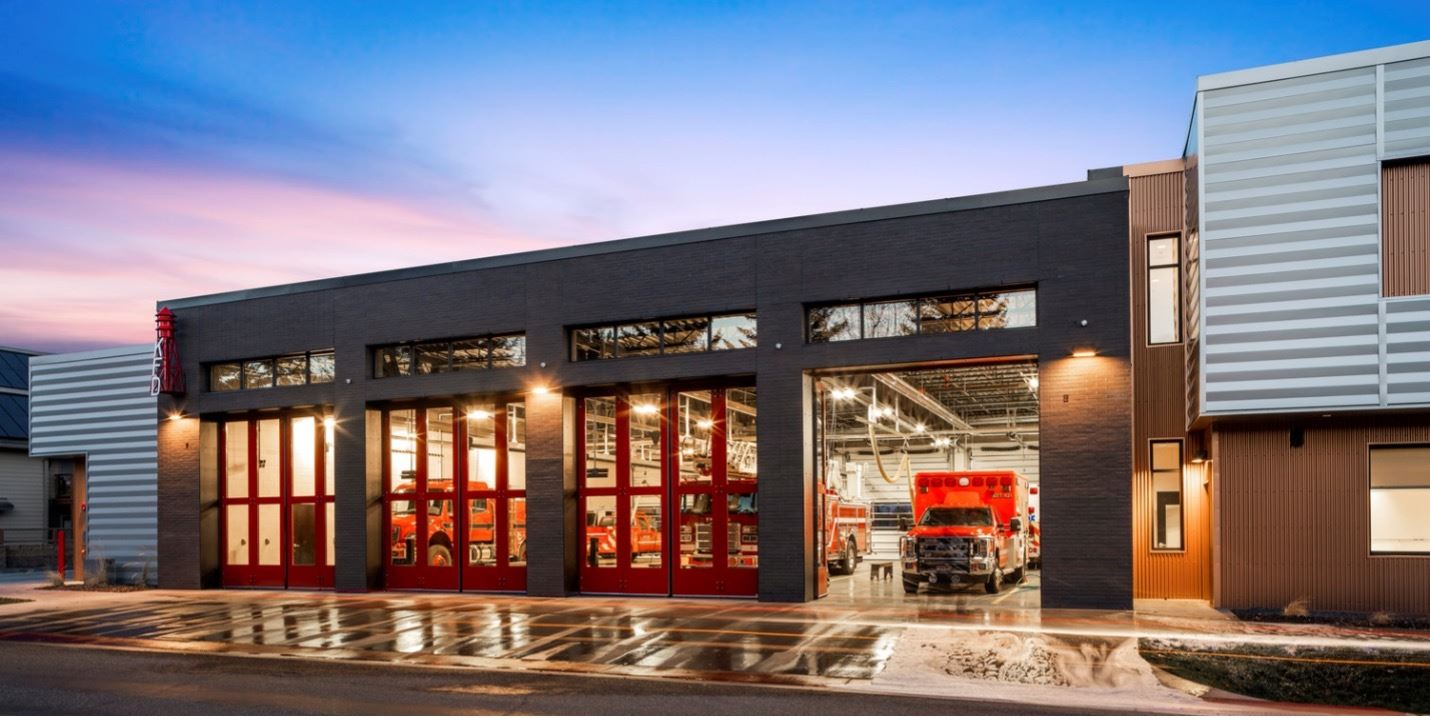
[44,679]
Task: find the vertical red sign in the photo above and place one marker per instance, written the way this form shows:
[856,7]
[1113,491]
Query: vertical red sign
[167,376]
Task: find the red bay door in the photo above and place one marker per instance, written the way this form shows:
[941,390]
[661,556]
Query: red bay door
[421,519]
[716,500]
[623,493]
[494,496]
[309,507]
[252,458]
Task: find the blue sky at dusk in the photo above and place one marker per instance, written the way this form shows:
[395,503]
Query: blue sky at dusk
[158,150]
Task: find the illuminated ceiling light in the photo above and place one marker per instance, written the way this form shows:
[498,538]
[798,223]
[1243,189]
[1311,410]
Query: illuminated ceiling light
[705,424]
[176,416]
[886,412]
[842,394]
[540,390]
[329,423]
[1033,382]
[1084,353]
[480,415]
[919,428]
[644,409]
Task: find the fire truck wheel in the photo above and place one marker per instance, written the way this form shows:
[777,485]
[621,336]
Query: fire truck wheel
[847,561]
[995,579]
[911,586]
[439,556]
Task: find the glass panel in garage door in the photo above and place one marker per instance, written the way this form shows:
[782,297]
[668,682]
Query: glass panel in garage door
[270,470]
[236,536]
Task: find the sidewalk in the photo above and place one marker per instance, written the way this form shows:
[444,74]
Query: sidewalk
[923,649]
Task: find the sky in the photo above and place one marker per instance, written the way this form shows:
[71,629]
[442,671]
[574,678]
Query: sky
[162,150]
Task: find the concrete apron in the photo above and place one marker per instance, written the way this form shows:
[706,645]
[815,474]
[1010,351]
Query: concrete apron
[952,647]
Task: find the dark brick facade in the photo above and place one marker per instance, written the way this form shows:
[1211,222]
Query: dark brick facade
[1069,241]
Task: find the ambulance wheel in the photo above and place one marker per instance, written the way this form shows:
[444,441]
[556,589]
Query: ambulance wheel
[1019,573]
[995,579]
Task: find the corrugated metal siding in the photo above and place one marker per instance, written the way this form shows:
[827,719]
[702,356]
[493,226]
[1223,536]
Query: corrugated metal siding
[1290,249]
[1159,411]
[1407,109]
[1192,283]
[1295,522]
[1407,351]
[1405,229]
[97,405]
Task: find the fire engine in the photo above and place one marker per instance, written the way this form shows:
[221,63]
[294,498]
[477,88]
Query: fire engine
[601,533]
[970,529]
[441,529]
[846,532]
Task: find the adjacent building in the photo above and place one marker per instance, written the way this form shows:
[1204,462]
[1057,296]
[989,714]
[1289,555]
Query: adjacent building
[93,419]
[25,496]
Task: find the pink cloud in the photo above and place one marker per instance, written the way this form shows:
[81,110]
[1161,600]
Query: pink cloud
[90,246]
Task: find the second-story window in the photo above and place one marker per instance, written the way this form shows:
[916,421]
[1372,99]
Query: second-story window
[1164,290]
[671,336]
[463,354]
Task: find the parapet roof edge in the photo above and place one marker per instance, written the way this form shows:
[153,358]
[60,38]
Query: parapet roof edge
[1315,66]
[804,222]
[80,355]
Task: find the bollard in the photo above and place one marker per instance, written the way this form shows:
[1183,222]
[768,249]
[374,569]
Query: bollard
[60,547]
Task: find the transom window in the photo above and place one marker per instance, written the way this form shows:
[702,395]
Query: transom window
[669,336]
[952,313]
[295,369]
[445,356]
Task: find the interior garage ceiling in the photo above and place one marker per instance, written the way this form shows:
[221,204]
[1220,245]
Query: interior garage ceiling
[973,404]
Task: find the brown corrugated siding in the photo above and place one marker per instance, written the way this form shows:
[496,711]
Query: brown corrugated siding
[1192,252]
[1159,411]
[1405,228]
[1295,522]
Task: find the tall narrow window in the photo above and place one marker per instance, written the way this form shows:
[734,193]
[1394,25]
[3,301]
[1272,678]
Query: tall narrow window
[1164,298]
[1400,499]
[1167,496]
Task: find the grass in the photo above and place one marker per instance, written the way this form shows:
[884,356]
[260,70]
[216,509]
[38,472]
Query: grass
[1365,678]
[6,599]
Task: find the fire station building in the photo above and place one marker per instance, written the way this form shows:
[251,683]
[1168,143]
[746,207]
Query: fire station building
[1210,373]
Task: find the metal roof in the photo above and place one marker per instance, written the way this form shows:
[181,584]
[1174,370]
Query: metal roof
[14,416]
[14,369]
[1108,183]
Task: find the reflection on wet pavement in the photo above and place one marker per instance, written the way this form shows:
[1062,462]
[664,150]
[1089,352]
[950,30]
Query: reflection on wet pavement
[862,634]
[695,637]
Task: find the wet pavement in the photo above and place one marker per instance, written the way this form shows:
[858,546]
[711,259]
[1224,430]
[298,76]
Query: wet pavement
[867,636]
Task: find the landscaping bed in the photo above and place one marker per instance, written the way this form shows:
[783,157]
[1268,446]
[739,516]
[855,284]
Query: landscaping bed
[1360,677]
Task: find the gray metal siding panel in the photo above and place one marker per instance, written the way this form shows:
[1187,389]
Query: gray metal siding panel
[1407,109]
[1290,247]
[1407,341]
[97,405]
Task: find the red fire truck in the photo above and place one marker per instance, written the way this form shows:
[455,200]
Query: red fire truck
[441,529]
[970,528]
[846,532]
